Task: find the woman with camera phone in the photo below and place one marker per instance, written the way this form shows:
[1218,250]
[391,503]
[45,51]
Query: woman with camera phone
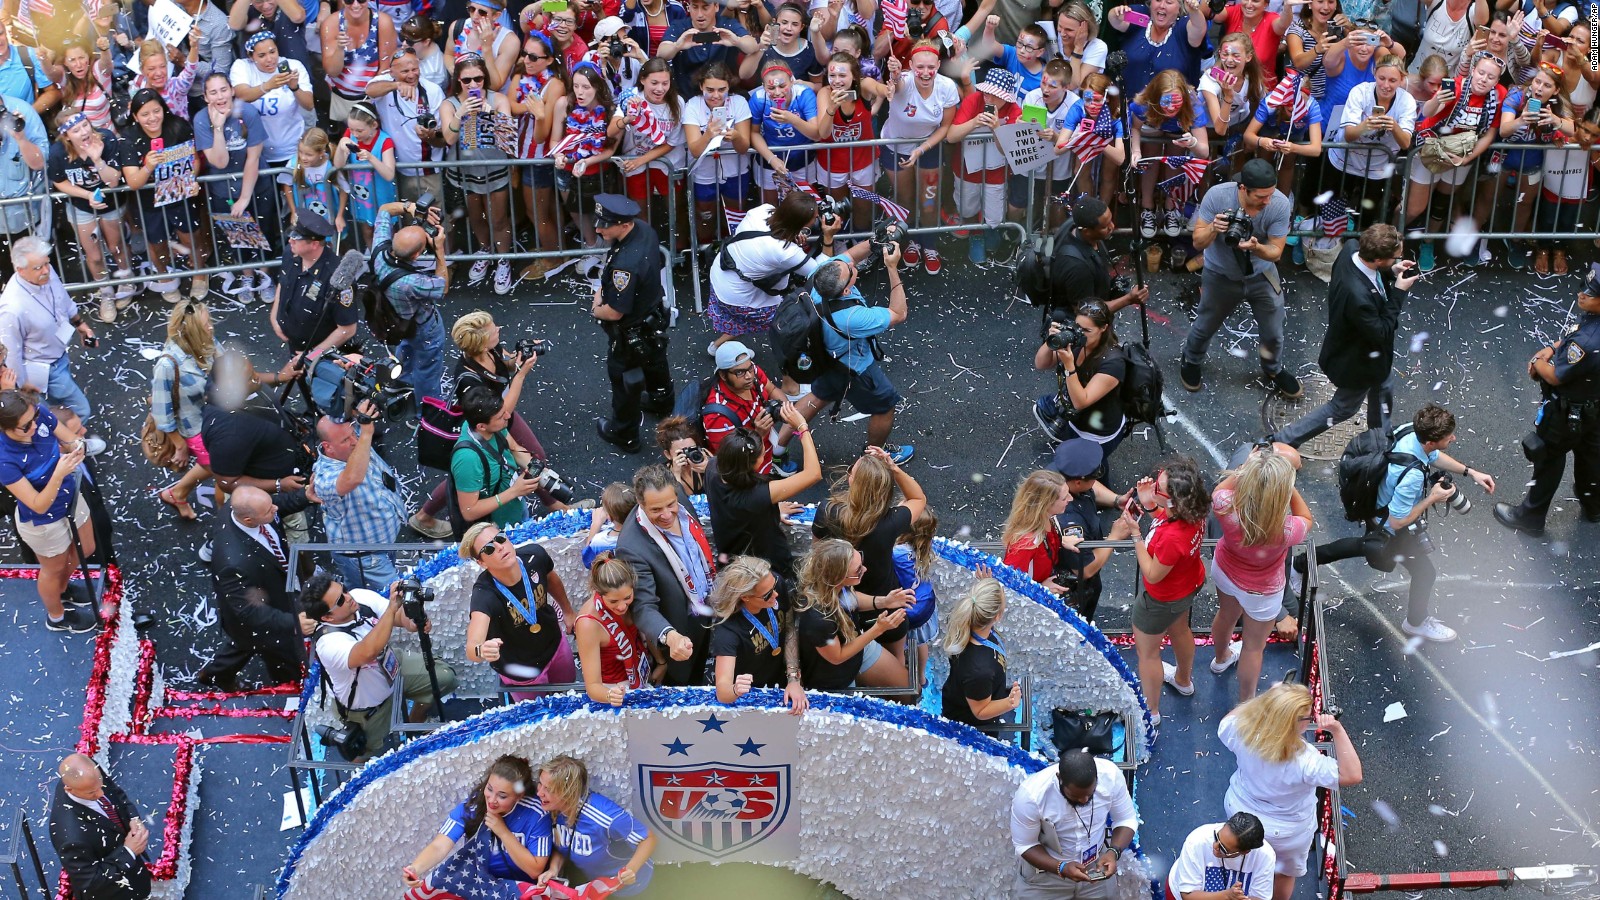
[516,626]
[478,127]
[613,657]
[1171,573]
[834,654]
[1089,366]
[1032,541]
[748,508]
[505,837]
[751,644]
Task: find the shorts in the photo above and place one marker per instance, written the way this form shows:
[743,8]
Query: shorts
[197,449]
[539,176]
[87,217]
[1018,187]
[870,655]
[1152,616]
[870,392]
[765,179]
[1421,174]
[641,185]
[865,177]
[733,187]
[410,187]
[889,157]
[160,222]
[1259,607]
[973,198]
[339,106]
[53,539]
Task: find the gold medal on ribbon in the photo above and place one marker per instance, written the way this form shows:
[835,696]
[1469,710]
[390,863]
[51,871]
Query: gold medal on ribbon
[534,628]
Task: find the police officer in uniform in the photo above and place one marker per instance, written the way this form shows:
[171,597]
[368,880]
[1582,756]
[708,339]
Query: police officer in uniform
[307,313]
[1078,460]
[1568,373]
[632,309]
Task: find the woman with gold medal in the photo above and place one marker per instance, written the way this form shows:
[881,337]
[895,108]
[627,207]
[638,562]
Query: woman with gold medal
[520,613]
[752,642]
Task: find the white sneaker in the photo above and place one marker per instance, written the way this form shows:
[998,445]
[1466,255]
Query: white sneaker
[1233,647]
[502,277]
[478,272]
[108,306]
[1297,581]
[264,288]
[711,349]
[1431,629]
[94,445]
[1169,674]
[124,291]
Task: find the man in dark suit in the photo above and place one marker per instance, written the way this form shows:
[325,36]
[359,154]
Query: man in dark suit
[1358,349]
[97,834]
[674,565]
[249,571]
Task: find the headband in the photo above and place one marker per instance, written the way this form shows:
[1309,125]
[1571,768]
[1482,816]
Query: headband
[71,123]
[777,67]
[916,50]
[254,39]
[488,4]
[590,66]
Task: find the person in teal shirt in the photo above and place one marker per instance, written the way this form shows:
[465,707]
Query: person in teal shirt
[486,466]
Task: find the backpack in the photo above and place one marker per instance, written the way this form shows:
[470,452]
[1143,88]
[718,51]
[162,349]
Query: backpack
[1033,267]
[438,429]
[385,323]
[1141,386]
[797,335]
[690,404]
[776,283]
[1363,467]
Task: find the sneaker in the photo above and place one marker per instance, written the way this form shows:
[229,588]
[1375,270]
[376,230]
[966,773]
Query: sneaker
[438,529]
[1284,383]
[502,277]
[912,255]
[172,297]
[94,445]
[265,290]
[77,621]
[975,251]
[108,306]
[931,262]
[204,553]
[1046,414]
[1297,253]
[1298,226]
[952,220]
[1297,576]
[200,287]
[900,453]
[1484,256]
[1425,257]
[785,465]
[76,594]
[1517,256]
[1233,648]
[1174,223]
[126,291]
[1147,224]
[1169,675]
[711,349]
[478,272]
[1431,629]
[1190,375]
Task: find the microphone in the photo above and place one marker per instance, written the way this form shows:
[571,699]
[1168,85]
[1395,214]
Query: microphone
[350,267]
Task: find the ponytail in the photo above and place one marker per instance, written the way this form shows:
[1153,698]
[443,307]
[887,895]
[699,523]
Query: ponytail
[980,608]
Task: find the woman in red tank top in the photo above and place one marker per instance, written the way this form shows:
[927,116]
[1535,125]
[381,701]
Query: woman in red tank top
[613,658]
[844,112]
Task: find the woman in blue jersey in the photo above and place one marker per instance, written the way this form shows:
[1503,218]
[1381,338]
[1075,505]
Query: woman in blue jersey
[594,837]
[504,835]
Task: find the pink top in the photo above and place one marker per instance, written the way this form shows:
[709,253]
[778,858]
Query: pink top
[1258,569]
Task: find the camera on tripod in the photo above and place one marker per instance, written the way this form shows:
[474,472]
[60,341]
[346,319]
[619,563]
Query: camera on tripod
[349,740]
[1069,336]
[412,594]
[1455,501]
[377,381]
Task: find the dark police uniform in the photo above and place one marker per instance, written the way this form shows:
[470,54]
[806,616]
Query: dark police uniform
[1568,422]
[1079,458]
[636,354]
[308,309]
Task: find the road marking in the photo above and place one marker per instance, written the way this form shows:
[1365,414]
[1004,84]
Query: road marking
[1194,431]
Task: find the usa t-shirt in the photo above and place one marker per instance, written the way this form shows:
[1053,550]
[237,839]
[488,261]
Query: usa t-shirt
[602,840]
[1198,868]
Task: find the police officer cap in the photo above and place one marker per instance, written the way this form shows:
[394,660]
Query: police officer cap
[311,226]
[613,209]
[1258,173]
[1077,458]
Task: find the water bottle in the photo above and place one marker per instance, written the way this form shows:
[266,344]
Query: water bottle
[803,363]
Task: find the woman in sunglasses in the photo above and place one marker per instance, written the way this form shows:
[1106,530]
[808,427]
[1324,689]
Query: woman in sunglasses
[418,37]
[482,34]
[540,81]
[520,612]
[749,640]
[478,127]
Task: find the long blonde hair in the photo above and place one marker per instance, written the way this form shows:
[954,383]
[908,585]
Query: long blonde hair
[1030,508]
[1269,723]
[980,608]
[863,497]
[822,573]
[186,328]
[1262,489]
[734,581]
[920,539]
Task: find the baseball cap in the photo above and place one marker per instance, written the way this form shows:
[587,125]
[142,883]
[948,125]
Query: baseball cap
[1257,174]
[731,354]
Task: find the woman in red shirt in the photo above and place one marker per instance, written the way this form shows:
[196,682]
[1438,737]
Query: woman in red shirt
[1033,543]
[1177,499]
[613,657]
[844,111]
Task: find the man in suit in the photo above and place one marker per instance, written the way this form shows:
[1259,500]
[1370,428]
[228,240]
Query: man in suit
[97,834]
[674,565]
[1358,349]
[249,570]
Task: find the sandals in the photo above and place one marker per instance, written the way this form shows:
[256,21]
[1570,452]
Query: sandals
[1541,261]
[1558,263]
[185,510]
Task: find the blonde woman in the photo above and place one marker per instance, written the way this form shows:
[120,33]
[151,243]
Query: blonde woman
[862,510]
[834,654]
[975,692]
[611,655]
[1278,772]
[750,644]
[1032,541]
[1262,516]
[177,393]
[595,839]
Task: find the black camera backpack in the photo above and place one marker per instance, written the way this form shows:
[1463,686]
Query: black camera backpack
[1364,465]
[383,320]
[797,335]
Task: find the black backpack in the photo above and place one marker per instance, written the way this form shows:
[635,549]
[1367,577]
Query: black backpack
[1141,386]
[690,404]
[797,335]
[385,323]
[1363,467]
[776,283]
[1033,267]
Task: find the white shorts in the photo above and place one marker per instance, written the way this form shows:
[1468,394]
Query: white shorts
[55,538]
[1260,607]
[1291,841]
[973,197]
[1421,174]
[862,177]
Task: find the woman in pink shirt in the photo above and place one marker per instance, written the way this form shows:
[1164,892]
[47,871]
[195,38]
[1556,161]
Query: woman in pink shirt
[1262,516]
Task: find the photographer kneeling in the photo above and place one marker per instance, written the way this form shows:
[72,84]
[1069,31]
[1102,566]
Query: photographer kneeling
[1089,368]
[358,666]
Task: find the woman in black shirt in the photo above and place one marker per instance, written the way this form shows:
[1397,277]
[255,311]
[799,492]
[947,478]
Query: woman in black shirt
[747,507]
[514,626]
[1090,381]
[84,164]
[160,155]
[862,511]
[834,655]
[750,644]
[975,692]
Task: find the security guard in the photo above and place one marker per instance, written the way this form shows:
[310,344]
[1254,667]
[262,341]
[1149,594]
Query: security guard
[1078,460]
[307,314]
[1568,372]
[632,308]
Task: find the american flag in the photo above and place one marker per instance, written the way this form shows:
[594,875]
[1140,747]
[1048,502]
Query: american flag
[792,182]
[894,17]
[1288,91]
[1335,217]
[1088,143]
[652,129]
[735,218]
[579,143]
[600,887]
[41,7]
[900,213]
[1180,187]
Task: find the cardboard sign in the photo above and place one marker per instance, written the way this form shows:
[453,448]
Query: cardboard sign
[1025,150]
[169,24]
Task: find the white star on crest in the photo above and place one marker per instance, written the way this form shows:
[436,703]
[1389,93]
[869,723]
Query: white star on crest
[716,778]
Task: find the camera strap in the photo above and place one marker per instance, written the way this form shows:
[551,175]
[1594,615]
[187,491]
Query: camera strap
[348,704]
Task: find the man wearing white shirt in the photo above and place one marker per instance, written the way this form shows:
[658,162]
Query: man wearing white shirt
[1224,861]
[403,99]
[1059,823]
[37,323]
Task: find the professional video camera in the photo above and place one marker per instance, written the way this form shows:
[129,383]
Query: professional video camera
[1456,501]
[375,380]
[349,740]
[1070,336]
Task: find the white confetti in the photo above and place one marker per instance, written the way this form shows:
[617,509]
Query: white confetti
[1394,712]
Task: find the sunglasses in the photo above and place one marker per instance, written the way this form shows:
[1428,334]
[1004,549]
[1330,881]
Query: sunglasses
[534,56]
[26,426]
[480,11]
[472,79]
[492,545]
[1223,852]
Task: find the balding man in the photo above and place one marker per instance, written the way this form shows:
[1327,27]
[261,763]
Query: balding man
[360,495]
[38,324]
[413,291]
[249,572]
[97,834]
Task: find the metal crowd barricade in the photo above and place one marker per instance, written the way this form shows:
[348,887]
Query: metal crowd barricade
[1366,205]
[1547,220]
[17,844]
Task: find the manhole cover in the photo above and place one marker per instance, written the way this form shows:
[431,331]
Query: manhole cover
[1277,412]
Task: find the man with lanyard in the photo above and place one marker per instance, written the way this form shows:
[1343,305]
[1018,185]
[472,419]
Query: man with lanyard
[216,47]
[360,494]
[1059,820]
[23,76]
[404,99]
[631,306]
[672,559]
[738,399]
[414,292]
[306,312]
[37,323]
[1080,267]
[359,667]
[485,465]
[23,156]
[1078,460]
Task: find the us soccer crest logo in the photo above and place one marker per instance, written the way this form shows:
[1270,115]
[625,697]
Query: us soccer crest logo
[717,809]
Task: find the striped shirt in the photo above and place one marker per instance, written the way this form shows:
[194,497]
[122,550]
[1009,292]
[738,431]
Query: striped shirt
[176,94]
[95,102]
[360,63]
[601,840]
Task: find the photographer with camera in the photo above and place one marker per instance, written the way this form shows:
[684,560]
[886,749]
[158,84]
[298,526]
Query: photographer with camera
[1243,228]
[748,508]
[1089,368]
[764,257]
[408,107]
[414,292]
[359,667]
[741,396]
[489,471]
[515,625]
[360,495]
[631,306]
[1080,266]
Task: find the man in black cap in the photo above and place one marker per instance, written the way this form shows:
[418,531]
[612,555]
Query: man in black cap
[632,309]
[307,313]
[1080,267]
[1242,270]
[1078,460]
[1568,373]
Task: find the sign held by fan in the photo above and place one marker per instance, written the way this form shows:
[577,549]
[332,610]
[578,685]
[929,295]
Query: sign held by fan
[1025,148]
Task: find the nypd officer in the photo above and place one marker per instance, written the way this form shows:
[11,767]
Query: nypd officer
[307,313]
[1568,373]
[632,309]
[1078,460]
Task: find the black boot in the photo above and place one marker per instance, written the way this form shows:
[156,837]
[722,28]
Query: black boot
[1515,519]
[607,433]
